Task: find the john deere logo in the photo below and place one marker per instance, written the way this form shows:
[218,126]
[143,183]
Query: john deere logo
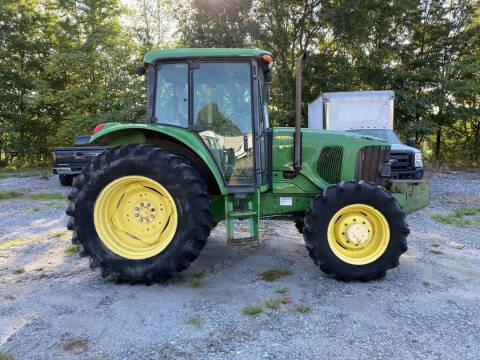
[283,137]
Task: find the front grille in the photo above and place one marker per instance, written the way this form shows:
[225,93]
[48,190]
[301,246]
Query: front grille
[330,164]
[369,161]
[404,160]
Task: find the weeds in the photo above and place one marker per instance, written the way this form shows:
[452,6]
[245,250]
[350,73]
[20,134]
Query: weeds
[436,252]
[10,194]
[45,196]
[174,279]
[195,322]
[252,310]
[304,309]
[59,234]
[434,245]
[27,172]
[273,302]
[12,242]
[274,274]
[283,290]
[457,217]
[72,250]
[196,280]
[426,283]
[19,270]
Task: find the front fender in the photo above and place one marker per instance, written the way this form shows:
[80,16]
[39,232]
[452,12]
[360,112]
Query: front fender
[114,134]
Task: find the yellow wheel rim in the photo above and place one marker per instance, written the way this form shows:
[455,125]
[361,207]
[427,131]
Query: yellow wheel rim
[135,217]
[358,234]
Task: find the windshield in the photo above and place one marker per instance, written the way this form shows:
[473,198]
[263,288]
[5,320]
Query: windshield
[384,134]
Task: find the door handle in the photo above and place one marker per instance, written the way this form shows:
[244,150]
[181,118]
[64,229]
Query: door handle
[245,143]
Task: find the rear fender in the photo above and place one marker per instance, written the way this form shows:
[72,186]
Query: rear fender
[183,141]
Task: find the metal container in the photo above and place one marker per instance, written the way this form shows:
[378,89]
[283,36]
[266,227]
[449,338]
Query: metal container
[352,110]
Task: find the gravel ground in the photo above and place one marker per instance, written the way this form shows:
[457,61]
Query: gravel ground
[427,308]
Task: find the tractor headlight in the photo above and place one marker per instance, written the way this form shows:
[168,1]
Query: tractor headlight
[418,159]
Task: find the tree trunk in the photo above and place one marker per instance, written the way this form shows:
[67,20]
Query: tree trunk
[437,147]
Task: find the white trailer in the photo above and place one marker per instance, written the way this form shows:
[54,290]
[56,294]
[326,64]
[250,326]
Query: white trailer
[352,110]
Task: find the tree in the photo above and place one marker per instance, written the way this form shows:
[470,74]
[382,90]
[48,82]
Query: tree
[90,77]
[26,40]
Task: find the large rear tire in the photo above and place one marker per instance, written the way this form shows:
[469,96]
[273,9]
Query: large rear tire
[355,231]
[141,213]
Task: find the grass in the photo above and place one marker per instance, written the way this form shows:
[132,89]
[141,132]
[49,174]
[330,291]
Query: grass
[304,309]
[282,290]
[436,252]
[45,196]
[274,274]
[174,279]
[252,310]
[19,270]
[59,234]
[25,172]
[460,218]
[39,268]
[426,283]
[10,194]
[273,302]
[197,322]
[196,280]
[5,357]
[12,242]
[36,209]
[72,250]
[434,245]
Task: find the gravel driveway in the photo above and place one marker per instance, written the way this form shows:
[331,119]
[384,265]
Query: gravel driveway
[52,306]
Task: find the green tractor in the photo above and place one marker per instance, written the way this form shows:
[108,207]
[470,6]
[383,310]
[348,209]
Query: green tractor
[143,210]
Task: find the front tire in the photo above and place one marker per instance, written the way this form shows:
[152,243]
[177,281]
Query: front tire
[141,213]
[65,180]
[355,231]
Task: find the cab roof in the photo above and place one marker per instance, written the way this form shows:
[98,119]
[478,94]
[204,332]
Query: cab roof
[160,54]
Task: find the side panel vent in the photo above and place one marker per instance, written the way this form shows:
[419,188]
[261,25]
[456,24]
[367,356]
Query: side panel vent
[369,161]
[330,164]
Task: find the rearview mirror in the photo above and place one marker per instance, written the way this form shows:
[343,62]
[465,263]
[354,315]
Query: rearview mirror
[411,142]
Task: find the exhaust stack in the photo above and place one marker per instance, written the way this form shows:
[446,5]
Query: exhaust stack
[297,159]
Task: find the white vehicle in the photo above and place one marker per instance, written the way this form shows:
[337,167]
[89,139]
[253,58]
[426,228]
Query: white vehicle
[369,113]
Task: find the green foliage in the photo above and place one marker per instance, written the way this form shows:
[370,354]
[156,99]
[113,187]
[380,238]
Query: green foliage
[197,322]
[273,302]
[46,196]
[72,250]
[465,217]
[274,274]
[252,310]
[9,194]
[304,309]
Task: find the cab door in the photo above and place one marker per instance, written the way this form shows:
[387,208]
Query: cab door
[222,112]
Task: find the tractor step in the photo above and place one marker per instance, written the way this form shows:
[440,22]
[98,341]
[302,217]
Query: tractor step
[245,207]
[241,214]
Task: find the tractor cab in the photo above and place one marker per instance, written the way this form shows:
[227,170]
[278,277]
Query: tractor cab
[221,98]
